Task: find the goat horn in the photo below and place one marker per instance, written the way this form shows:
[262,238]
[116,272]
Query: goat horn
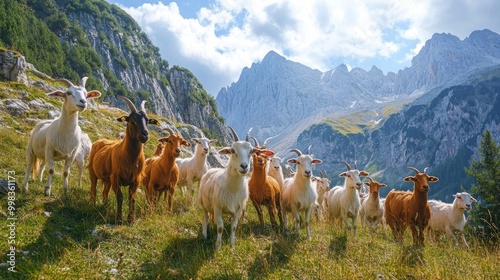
[143,106]
[83,81]
[309,150]
[256,143]
[131,105]
[66,81]
[414,169]
[347,165]
[236,138]
[356,164]
[248,135]
[321,174]
[267,139]
[371,180]
[169,130]
[425,170]
[299,153]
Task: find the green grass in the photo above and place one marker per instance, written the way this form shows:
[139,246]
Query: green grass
[54,236]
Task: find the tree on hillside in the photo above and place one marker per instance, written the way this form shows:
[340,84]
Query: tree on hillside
[486,172]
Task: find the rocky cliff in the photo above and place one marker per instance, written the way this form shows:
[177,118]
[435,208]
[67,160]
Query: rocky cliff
[131,64]
[442,134]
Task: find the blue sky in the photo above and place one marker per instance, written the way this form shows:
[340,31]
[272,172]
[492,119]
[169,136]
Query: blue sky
[216,39]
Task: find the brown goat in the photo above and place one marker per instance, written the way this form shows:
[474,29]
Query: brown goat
[160,146]
[264,189]
[404,209]
[120,162]
[161,172]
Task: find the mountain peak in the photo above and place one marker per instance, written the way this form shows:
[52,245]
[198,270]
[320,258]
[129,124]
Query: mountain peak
[272,56]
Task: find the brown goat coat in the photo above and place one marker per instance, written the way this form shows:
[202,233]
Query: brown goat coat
[264,189]
[161,172]
[405,208]
[117,163]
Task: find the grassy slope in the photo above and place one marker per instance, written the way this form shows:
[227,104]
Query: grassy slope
[55,240]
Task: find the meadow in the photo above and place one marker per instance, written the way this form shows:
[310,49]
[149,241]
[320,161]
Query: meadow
[66,237]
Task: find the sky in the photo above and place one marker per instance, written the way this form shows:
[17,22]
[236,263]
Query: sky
[216,39]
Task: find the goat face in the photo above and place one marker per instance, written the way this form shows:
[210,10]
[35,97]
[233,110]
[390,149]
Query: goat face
[464,200]
[275,163]
[260,158]
[203,145]
[304,164]
[75,97]
[421,180]
[137,125]
[173,144]
[374,187]
[240,152]
[352,177]
[323,184]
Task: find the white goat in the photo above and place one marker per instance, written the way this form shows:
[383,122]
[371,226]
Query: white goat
[448,218]
[343,201]
[192,169]
[59,139]
[275,170]
[299,191]
[225,190]
[322,187]
[82,153]
[372,209]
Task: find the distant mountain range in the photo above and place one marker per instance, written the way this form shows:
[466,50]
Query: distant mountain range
[430,114]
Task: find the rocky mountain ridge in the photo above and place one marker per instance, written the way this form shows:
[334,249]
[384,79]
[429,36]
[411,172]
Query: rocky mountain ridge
[123,60]
[288,97]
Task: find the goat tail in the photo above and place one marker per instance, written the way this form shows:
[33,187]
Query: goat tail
[35,166]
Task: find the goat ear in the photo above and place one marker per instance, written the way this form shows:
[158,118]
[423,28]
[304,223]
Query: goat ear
[292,161]
[433,179]
[409,179]
[316,161]
[473,199]
[364,173]
[383,185]
[186,143]
[367,184]
[196,140]
[226,151]
[57,93]
[93,94]
[122,119]
[343,174]
[163,139]
[268,153]
[213,141]
[154,121]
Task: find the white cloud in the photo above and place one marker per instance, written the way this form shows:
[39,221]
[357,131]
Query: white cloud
[229,35]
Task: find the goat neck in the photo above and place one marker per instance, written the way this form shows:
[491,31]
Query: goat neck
[259,171]
[68,120]
[131,145]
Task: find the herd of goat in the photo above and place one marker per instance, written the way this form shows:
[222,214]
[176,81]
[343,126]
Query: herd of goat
[252,172]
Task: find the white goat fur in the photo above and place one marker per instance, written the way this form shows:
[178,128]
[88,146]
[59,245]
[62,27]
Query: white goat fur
[192,169]
[371,212]
[225,190]
[299,192]
[275,170]
[322,187]
[449,218]
[58,139]
[342,202]
[82,153]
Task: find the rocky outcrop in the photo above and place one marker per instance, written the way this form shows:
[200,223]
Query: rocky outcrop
[13,67]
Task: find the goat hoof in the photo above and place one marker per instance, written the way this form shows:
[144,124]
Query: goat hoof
[47,192]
